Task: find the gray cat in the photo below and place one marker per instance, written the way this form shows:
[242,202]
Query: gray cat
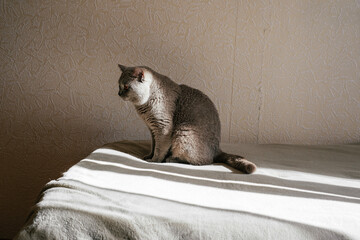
[184,123]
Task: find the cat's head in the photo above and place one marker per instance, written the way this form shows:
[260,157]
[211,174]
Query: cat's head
[134,84]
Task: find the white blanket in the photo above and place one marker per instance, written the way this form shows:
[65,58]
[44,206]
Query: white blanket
[298,192]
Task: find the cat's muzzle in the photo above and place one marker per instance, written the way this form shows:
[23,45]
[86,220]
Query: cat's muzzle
[123,95]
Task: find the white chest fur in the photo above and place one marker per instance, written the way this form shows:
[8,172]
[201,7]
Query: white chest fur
[156,116]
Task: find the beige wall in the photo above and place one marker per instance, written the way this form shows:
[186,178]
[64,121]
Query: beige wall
[278,72]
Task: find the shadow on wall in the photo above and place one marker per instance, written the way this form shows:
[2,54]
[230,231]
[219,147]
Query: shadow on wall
[59,92]
[46,135]
[30,163]
[58,77]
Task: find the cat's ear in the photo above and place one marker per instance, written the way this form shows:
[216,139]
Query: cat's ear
[139,73]
[122,67]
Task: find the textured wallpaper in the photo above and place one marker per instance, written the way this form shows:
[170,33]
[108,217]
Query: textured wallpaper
[278,72]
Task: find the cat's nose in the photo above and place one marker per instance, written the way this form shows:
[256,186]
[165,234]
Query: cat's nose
[120,92]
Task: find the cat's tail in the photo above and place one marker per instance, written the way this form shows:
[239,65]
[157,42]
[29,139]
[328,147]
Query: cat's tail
[235,161]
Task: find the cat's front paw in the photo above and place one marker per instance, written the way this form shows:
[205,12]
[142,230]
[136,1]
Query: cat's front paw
[174,160]
[153,159]
[148,157]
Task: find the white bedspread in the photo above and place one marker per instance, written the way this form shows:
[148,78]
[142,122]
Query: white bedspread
[298,192]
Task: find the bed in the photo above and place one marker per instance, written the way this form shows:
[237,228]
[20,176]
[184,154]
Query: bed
[297,192]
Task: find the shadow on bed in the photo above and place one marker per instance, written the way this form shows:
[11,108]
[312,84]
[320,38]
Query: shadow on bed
[262,184]
[112,194]
[120,222]
[251,183]
[310,158]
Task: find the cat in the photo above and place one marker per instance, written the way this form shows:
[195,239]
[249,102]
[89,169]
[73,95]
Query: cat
[183,122]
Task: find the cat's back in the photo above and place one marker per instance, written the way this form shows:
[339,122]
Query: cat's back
[193,97]
[195,108]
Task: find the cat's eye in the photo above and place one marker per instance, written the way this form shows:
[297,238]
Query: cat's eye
[126,87]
